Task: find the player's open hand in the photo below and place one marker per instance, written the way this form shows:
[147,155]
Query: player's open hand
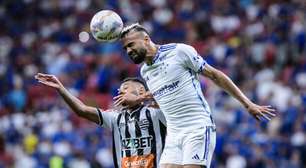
[149,97]
[49,80]
[126,99]
[261,112]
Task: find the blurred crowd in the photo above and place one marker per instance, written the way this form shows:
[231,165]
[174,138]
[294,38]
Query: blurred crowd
[260,44]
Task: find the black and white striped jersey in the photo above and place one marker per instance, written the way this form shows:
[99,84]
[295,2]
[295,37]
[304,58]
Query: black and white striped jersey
[138,136]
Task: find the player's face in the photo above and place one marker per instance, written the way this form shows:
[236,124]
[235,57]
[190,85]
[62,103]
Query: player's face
[134,45]
[129,87]
[133,88]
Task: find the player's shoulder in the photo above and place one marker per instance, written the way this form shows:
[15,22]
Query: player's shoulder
[184,47]
[153,110]
[167,47]
[111,112]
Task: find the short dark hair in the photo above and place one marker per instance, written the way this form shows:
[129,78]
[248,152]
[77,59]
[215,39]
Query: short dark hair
[138,80]
[135,27]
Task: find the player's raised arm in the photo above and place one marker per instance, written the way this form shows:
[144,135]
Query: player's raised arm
[193,61]
[74,103]
[228,85]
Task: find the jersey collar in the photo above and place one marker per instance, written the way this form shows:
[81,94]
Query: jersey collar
[156,55]
[131,112]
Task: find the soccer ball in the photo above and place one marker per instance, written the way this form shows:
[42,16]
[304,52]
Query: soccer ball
[106,26]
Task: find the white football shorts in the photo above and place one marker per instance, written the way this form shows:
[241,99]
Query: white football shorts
[192,148]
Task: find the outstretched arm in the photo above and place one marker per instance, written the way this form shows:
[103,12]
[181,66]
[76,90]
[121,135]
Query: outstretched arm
[190,59]
[74,103]
[228,85]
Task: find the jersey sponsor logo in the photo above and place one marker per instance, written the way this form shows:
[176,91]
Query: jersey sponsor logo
[146,161]
[122,124]
[166,89]
[137,143]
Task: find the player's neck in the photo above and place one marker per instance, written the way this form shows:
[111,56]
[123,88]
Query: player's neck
[134,108]
[151,54]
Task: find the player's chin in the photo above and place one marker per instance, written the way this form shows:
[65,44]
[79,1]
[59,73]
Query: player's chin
[137,59]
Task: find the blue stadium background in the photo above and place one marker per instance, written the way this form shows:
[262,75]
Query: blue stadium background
[260,44]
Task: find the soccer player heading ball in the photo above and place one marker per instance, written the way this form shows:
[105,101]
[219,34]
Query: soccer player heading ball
[171,72]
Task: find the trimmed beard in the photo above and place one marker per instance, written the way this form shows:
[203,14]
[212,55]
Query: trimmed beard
[140,56]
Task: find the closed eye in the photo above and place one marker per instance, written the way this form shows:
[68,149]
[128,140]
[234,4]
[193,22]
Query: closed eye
[131,44]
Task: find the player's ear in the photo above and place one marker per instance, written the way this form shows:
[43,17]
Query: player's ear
[142,90]
[147,39]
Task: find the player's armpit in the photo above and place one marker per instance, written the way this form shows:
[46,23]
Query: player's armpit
[89,113]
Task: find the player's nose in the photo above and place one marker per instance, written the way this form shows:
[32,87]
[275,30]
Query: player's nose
[129,51]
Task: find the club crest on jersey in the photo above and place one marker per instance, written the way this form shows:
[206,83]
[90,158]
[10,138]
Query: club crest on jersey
[144,124]
[155,74]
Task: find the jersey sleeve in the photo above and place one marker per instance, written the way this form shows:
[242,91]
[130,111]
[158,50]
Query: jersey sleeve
[107,118]
[159,115]
[190,58]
